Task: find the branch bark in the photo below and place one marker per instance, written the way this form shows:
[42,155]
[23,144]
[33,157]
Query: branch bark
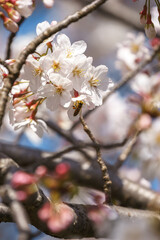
[129,193]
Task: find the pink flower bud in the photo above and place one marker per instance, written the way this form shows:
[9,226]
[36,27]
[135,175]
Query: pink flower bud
[21,195]
[21,179]
[45,212]
[41,171]
[60,218]
[62,169]
[14,15]
[143,15]
[10,25]
[144,121]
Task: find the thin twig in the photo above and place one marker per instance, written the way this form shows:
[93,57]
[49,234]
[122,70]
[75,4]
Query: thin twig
[127,150]
[106,178]
[69,149]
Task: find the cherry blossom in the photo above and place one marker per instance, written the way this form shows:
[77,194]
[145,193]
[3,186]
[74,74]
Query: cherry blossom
[60,78]
[131,52]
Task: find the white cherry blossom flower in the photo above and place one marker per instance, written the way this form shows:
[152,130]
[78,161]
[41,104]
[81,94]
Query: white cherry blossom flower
[41,27]
[34,72]
[77,48]
[144,84]
[57,93]
[18,112]
[97,82]
[24,7]
[131,52]
[79,66]
[79,104]
[37,125]
[56,63]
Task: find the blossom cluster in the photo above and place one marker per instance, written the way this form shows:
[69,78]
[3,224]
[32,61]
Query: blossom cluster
[146,86]
[58,74]
[131,52]
[55,214]
[15,9]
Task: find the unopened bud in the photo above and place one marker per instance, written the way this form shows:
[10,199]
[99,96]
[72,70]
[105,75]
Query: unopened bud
[149,28]
[10,25]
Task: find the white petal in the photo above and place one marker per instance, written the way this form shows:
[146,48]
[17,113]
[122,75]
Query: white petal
[79,47]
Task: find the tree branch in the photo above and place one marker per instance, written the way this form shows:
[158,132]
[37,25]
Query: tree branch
[129,193]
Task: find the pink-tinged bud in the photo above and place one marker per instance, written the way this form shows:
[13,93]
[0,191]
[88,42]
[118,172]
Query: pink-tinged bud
[21,195]
[48,3]
[144,121]
[155,42]
[21,179]
[62,169]
[10,25]
[45,212]
[149,28]
[60,218]
[53,23]
[143,15]
[41,171]
[14,15]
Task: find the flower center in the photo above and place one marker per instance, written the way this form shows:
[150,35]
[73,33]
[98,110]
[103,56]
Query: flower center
[38,71]
[59,89]
[134,48]
[56,66]
[94,82]
[76,72]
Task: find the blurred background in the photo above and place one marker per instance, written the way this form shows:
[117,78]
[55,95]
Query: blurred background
[102,31]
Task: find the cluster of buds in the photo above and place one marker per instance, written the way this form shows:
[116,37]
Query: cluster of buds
[55,213]
[146,19]
[14,10]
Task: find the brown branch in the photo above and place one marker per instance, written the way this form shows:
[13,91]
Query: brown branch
[81,227]
[81,144]
[63,133]
[107,182]
[129,193]
[83,230]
